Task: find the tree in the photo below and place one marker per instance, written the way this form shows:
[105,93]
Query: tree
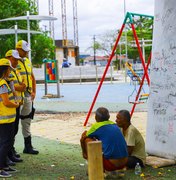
[144,30]
[107,40]
[15,8]
[20,8]
[43,48]
[104,43]
[81,61]
[95,47]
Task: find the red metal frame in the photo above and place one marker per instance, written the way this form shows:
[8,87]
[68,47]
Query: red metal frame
[108,64]
[140,53]
[141,84]
[104,74]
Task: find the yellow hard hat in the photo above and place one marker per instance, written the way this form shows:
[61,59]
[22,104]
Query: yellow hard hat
[23,45]
[5,62]
[13,53]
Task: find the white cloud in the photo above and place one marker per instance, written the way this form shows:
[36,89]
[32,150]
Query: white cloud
[94,16]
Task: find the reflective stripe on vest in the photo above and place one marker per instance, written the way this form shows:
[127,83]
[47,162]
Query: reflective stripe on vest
[16,78]
[25,69]
[7,115]
[24,73]
[15,81]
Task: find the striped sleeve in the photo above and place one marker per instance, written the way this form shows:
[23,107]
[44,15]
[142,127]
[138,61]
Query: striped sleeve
[3,89]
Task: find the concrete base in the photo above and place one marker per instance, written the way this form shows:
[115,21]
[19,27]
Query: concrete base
[157,162]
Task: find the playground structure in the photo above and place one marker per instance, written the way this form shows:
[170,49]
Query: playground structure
[128,19]
[51,75]
[135,76]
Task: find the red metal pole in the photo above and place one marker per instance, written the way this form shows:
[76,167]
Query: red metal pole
[104,74]
[140,54]
[142,82]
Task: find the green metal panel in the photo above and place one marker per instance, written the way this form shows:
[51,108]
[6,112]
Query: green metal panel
[129,16]
[142,15]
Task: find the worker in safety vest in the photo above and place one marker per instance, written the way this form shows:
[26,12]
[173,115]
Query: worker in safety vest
[19,88]
[8,107]
[27,111]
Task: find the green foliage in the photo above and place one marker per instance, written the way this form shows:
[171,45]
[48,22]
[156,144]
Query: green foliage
[11,8]
[81,61]
[104,42]
[116,64]
[144,30]
[42,46]
[107,41]
[95,47]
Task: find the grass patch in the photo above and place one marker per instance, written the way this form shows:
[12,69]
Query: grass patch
[55,161]
[61,161]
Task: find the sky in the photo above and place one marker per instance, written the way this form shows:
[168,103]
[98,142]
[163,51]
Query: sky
[95,17]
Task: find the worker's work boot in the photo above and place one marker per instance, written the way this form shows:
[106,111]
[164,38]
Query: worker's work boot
[28,149]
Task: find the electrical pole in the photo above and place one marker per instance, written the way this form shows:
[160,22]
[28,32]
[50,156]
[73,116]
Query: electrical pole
[51,23]
[64,29]
[75,29]
[64,22]
[126,51]
[94,50]
[75,22]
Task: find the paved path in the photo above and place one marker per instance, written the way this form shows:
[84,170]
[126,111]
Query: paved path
[78,97]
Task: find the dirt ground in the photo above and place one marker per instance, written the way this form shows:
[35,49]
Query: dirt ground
[68,127]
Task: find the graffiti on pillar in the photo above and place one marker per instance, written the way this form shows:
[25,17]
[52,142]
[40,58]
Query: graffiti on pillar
[161,125]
